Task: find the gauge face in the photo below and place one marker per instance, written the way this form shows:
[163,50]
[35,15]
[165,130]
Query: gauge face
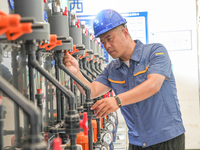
[110,127]
[103,148]
[112,118]
[107,138]
[115,114]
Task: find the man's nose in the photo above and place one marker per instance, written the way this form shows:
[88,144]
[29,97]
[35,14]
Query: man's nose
[107,45]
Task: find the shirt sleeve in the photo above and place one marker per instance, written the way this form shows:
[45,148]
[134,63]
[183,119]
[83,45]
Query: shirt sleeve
[103,77]
[160,62]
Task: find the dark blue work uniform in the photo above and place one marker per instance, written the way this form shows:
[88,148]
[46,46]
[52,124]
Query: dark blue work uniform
[157,118]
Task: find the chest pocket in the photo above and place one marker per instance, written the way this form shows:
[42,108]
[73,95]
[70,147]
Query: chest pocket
[118,83]
[140,73]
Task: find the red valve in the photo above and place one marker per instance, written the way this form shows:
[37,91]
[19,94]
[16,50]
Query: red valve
[7,21]
[77,23]
[108,94]
[93,57]
[57,143]
[82,123]
[39,91]
[15,32]
[11,26]
[86,54]
[86,31]
[52,43]
[65,12]
[88,59]
[111,93]
[80,57]
[74,50]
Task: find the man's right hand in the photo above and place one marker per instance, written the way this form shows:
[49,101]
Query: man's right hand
[71,63]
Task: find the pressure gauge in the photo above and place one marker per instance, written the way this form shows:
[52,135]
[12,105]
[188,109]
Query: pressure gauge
[101,147]
[106,137]
[110,126]
[112,118]
[114,114]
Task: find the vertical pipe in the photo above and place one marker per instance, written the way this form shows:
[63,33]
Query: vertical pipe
[98,130]
[1,124]
[31,47]
[62,97]
[16,107]
[48,96]
[58,97]
[24,86]
[62,106]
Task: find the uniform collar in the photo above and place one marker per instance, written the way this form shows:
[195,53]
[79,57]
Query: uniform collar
[136,56]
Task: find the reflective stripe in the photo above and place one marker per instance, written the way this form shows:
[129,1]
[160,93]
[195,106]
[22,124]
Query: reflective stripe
[120,82]
[140,72]
[159,53]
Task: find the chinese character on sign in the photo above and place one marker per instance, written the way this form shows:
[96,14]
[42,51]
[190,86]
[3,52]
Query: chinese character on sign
[76,5]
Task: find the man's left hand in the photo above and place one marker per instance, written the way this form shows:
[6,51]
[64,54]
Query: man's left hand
[105,106]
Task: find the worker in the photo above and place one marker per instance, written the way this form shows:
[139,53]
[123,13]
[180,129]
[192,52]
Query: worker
[143,82]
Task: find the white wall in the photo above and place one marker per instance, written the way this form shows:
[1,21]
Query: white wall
[164,17]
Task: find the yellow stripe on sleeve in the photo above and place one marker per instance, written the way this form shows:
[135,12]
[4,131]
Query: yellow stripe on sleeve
[159,53]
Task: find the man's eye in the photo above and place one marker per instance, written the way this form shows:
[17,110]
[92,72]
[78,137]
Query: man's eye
[109,39]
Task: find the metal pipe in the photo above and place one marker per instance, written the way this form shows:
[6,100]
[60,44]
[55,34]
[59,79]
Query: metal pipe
[58,96]
[97,67]
[24,89]
[87,104]
[72,116]
[67,92]
[98,130]
[85,87]
[31,47]
[1,124]
[39,96]
[92,68]
[47,98]
[86,76]
[16,107]
[62,106]
[87,69]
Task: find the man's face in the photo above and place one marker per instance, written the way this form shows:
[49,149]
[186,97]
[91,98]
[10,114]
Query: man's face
[114,42]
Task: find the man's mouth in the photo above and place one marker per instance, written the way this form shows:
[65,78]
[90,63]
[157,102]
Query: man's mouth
[111,52]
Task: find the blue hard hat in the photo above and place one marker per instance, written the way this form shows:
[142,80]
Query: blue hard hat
[107,20]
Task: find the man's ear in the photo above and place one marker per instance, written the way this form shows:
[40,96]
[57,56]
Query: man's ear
[125,31]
